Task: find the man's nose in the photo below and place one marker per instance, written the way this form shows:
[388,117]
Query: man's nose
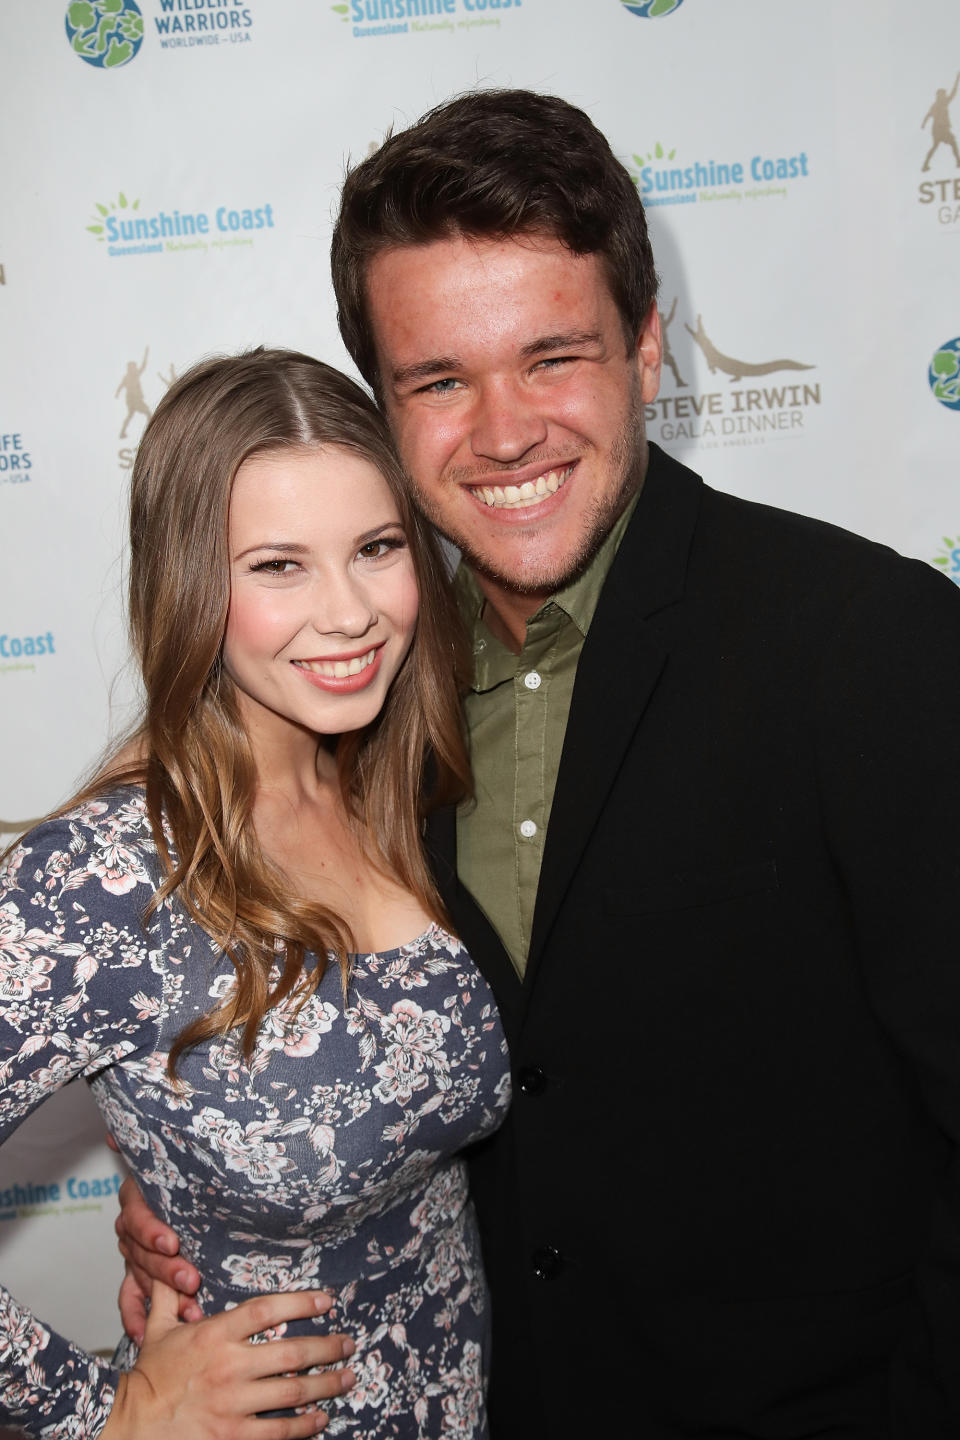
[506,424]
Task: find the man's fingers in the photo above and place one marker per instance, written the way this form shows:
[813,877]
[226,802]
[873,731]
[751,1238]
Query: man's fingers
[304,1352]
[138,1224]
[163,1312]
[133,1310]
[147,1265]
[266,1311]
[289,1392]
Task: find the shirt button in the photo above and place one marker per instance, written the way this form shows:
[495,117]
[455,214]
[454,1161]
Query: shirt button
[528,829]
[546,1262]
[532,1080]
[532,681]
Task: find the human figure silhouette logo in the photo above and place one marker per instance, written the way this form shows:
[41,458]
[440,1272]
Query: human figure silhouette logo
[133,391]
[105,33]
[939,114]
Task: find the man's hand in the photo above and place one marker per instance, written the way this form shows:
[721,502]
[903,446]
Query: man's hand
[209,1383]
[152,1252]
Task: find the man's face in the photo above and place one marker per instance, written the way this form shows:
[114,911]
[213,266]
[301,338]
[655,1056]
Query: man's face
[514,398]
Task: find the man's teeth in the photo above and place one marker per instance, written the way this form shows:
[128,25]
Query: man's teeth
[518,497]
[338,669]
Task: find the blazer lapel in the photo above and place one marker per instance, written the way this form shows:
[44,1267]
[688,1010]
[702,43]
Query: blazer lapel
[621,662]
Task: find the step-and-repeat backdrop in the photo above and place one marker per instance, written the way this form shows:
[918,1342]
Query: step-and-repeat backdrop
[170,170]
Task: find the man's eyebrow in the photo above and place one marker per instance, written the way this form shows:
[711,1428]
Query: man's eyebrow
[424,370]
[567,340]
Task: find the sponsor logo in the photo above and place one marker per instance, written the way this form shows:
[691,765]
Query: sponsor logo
[126,229]
[948,559]
[105,33]
[941,191]
[185,24]
[16,463]
[944,374]
[651,9]
[130,388]
[664,180]
[28,1199]
[369,18]
[755,409]
[19,652]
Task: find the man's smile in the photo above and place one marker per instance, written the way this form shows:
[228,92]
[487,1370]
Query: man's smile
[521,497]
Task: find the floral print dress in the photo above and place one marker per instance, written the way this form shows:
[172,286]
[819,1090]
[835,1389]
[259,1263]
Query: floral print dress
[329,1161]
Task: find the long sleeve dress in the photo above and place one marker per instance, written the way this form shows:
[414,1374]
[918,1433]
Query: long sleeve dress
[329,1161]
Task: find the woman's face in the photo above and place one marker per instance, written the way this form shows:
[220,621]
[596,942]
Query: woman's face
[323,597]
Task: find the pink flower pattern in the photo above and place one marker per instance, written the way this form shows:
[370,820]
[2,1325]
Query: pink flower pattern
[330,1159]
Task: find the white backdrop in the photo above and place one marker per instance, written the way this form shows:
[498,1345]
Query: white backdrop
[810,284]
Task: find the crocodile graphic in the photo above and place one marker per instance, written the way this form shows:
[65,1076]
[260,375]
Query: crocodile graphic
[737,369]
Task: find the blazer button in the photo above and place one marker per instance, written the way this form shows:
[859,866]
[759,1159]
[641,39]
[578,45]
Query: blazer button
[532,1080]
[547,1262]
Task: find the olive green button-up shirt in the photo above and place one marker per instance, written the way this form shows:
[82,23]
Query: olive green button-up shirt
[516,716]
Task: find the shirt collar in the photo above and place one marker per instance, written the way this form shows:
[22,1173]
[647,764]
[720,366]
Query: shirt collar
[577,602]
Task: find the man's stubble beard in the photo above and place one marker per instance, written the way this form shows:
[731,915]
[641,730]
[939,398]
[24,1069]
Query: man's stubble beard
[628,454]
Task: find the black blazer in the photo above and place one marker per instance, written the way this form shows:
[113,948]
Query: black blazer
[726,1202]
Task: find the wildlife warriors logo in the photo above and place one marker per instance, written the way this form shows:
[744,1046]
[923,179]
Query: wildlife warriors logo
[651,9]
[105,33]
[944,374]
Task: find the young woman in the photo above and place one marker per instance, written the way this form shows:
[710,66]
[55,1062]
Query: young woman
[232,934]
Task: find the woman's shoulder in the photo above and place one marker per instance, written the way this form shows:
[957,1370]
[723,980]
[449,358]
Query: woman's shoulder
[107,836]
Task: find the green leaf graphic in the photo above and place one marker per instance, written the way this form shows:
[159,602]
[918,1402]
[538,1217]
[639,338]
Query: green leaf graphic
[950,544]
[659,151]
[98,230]
[123,200]
[102,208]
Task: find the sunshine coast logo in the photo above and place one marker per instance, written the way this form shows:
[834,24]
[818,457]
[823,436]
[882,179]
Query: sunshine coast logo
[27,1198]
[370,18]
[105,33]
[20,652]
[661,180]
[16,462]
[651,9]
[943,374]
[942,191]
[126,229]
[751,413]
[948,559]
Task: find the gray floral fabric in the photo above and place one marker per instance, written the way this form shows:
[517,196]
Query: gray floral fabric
[330,1160]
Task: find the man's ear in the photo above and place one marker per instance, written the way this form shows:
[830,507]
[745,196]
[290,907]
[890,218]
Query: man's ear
[649,354]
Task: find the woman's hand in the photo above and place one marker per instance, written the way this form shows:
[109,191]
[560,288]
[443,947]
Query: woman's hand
[207,1382]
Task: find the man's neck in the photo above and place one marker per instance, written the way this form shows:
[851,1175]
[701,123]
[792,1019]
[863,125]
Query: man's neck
[506,613]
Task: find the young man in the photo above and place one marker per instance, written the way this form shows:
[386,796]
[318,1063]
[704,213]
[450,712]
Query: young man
[712,863]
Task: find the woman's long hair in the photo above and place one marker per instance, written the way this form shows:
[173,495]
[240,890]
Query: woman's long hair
[191,752]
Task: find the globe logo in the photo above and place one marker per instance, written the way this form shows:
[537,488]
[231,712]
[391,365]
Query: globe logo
[105,33]
[944,374]
[651,9]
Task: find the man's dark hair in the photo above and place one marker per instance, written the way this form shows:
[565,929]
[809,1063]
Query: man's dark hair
[492,164]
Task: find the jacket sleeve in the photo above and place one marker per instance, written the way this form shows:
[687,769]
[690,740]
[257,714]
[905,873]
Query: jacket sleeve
[888,719]
[76,980]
